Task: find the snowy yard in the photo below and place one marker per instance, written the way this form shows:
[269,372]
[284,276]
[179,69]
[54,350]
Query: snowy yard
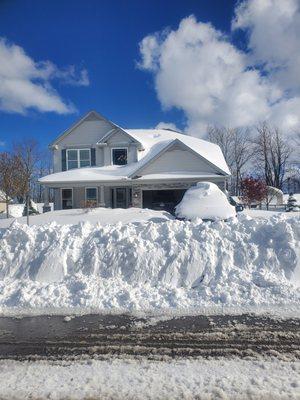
[143,379]
[103,216]
[106,216]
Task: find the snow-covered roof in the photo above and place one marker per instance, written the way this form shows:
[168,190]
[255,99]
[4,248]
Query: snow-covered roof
[154,142]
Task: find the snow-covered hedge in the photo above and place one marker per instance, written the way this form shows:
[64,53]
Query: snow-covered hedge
[151,265]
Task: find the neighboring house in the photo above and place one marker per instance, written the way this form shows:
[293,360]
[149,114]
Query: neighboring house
[98,162]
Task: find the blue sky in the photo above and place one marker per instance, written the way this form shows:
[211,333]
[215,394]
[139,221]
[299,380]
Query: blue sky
[100,41]
[103,37]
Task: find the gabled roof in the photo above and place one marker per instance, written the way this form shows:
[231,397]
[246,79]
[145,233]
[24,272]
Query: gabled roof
[116,129]
[149,160]
[90,116]
[154,140]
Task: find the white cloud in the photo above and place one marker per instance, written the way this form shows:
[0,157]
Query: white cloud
[26,84]
[198,70]
[274,30]
[167,125]
[2,143]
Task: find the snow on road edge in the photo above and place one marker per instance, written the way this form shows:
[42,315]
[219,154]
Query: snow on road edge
[140,379]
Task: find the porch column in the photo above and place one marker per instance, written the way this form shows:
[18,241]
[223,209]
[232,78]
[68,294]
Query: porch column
[101,196]
[46,206]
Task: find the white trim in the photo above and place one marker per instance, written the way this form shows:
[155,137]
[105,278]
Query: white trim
[118,148]
[91,187]
[78,157]
[61,198]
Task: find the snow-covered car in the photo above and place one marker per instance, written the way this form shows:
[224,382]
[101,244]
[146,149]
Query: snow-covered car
[205,201]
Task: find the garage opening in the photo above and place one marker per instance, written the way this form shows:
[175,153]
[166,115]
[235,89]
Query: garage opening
[162,199]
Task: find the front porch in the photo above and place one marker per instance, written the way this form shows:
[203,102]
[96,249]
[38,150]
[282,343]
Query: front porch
[156,196]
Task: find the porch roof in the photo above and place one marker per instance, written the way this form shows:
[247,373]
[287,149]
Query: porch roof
[115,174]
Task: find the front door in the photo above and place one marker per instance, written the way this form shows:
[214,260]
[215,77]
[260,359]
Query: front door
[120,198]
[67,199]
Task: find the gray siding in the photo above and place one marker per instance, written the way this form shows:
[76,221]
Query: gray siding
[86,135]
[107,196]
[78,197]
[88,132]
[180,160]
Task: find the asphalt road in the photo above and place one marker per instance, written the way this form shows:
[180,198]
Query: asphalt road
[59,337]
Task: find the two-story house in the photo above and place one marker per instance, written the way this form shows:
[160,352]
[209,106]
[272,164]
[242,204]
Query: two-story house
[96,161]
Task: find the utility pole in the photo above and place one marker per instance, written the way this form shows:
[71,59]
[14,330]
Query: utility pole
[27,208]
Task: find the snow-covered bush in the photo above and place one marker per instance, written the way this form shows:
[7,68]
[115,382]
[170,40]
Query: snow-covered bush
[292,204]
[205,201]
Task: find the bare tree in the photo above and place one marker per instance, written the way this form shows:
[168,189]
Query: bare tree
[237,150]
[272,154]
[29,155]
[10,177]
[43,167]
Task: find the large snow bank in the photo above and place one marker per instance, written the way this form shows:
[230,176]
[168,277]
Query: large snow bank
[149,265]
[206,201]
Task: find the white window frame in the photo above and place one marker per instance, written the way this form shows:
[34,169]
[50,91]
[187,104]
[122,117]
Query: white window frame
[78,157]
[61,198]
[118,148]
[92,187]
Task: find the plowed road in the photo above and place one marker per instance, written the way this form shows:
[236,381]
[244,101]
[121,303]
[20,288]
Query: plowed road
[60,337]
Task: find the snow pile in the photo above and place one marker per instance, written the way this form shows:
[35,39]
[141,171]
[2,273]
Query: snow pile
[147,379]
[206,201]
[151,265]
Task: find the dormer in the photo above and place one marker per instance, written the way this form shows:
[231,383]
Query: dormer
[119,148]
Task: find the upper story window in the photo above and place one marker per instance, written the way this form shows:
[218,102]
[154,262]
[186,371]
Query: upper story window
[119,156]
[78,158]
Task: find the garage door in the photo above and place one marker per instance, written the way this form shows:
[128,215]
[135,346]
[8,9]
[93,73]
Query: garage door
[162,199]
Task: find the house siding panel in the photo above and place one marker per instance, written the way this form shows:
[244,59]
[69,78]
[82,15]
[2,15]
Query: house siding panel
[86,135]
[180,160]
[78,197]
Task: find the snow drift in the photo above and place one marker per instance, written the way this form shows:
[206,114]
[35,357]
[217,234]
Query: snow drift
[149,265]
[206,201]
